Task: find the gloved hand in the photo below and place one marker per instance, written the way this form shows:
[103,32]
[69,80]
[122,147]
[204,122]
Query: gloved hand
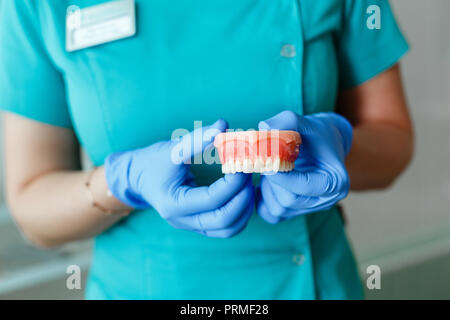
[319,179]
[159,176]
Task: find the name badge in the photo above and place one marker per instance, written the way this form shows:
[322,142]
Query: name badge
[99,24]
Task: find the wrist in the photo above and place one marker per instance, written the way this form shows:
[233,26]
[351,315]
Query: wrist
[116,173]
[100,196]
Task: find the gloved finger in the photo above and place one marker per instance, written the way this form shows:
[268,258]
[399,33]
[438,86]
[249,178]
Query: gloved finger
[262,209]
[236,228]
[190,200]
[342,125]
[220,218]
[295,205]
[296,212]
[292,204]
[286,120]
[305,183]
[270,200]
[265,214]
[289,120]
[308,126]
[286,198]
[227,215]
[196,142]
[309,204]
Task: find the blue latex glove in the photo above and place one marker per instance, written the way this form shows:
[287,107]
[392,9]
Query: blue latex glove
[158,176]
[319,179]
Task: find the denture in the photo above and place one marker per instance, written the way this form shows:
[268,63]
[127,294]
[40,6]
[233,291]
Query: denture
[258,151]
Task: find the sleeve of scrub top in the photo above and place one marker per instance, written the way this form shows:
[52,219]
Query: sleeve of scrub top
[364,52]
[30,85]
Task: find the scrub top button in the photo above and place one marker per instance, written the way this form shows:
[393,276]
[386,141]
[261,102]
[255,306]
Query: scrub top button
[288,51]
[298,259]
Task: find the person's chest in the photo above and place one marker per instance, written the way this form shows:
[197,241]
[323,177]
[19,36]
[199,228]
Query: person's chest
[189,61]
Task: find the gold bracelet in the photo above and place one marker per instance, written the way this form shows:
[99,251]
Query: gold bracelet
[94,203]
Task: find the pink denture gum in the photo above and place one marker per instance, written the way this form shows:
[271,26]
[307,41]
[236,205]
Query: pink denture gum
[258,151]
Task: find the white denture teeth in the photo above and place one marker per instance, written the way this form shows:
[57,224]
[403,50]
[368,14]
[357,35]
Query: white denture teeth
[268,165]
[239,166]
[250,152]
[228,167]
[257,166]
[276,165]
[282,166]
[232,166]
[248,166]
[286,166]
[225,167]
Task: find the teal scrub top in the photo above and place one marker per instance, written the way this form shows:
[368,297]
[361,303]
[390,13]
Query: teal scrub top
[243,61]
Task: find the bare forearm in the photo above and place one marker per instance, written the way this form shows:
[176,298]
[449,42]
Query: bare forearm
[379,154]
[54,208]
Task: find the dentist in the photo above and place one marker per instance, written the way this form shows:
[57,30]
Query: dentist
[116,78]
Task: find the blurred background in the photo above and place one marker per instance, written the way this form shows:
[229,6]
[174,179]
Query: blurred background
[404,230]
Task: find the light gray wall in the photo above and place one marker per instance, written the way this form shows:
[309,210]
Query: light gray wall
[419,203]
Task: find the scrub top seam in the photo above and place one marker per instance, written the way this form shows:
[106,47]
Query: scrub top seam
[301,56]
[100,103]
